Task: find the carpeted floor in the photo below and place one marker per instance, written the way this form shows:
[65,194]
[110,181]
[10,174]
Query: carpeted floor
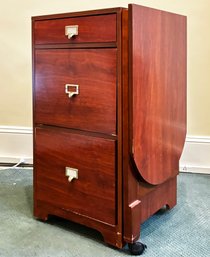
[183,231]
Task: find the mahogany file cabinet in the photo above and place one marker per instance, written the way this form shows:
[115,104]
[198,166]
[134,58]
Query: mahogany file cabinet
[109,98]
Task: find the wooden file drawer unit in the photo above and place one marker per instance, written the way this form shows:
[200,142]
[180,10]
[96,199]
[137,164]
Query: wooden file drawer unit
[109,95]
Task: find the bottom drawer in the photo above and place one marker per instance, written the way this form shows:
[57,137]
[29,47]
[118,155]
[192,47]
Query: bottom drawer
[93,193]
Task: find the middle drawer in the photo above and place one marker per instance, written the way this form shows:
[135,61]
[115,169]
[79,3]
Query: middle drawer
[76,88]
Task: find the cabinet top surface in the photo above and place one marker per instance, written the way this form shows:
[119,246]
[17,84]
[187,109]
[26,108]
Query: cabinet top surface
[92,12]
[77,14]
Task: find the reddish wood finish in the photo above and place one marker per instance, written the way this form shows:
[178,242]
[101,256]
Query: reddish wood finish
[95,186]
[158,52]
[111,234]
[101,28]
[101,71]
[94,70]
[155,196]
[126,128]
[142,201]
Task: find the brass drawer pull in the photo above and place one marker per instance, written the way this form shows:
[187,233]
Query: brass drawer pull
[71,173]
[71,31]
[71,90]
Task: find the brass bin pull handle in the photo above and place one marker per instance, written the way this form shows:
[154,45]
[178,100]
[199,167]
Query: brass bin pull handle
[71,173]
[71,31]
[71,90]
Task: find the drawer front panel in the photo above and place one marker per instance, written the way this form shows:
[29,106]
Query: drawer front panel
[94,71]
[93,193]
[95,29]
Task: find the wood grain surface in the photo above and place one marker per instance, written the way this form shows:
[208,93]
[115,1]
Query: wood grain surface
[126,128]
[99,28]
[93,193]
[94,70]
[158,81]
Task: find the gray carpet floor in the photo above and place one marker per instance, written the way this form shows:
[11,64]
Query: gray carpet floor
[182,231]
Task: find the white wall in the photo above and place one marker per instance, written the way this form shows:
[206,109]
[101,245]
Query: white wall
[15,55]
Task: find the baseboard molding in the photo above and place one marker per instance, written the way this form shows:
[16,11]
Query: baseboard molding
[196,155]
[16,143]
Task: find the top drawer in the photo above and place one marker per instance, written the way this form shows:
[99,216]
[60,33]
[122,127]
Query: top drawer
[91,29]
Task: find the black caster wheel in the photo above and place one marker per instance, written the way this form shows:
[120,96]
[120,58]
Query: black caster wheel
[162,210]
[137,248]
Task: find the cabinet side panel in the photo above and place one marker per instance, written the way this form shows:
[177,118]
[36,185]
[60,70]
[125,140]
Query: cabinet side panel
[158,81]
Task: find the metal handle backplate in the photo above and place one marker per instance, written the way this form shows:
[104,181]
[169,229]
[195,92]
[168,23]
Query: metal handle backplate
[71,173]
[71,31]
[71,90]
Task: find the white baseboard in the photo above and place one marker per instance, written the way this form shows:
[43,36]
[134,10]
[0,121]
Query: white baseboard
[196,155]
[16,143]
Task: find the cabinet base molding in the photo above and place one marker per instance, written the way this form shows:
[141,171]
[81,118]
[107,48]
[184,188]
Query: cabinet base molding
[110,233]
